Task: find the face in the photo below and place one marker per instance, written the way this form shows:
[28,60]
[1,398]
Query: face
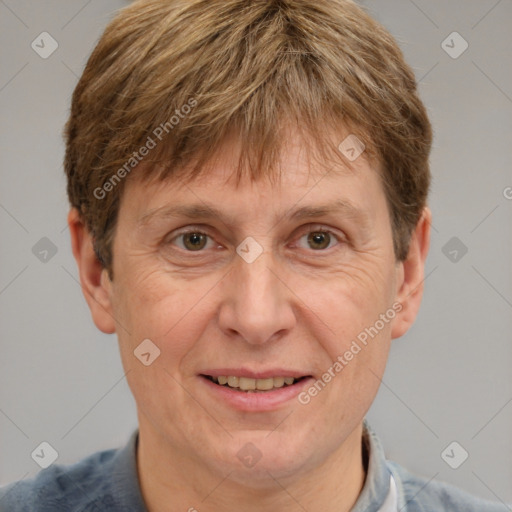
[271,288]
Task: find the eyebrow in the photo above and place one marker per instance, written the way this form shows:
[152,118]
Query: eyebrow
[208,211]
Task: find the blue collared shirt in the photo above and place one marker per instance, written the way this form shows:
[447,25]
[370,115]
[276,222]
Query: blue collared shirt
[107,481]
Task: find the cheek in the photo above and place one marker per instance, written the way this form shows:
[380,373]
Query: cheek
[355,347]
[347,312]
[155,304]
[350,298]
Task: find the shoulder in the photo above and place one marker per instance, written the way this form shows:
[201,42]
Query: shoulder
[419,494]
[84,485]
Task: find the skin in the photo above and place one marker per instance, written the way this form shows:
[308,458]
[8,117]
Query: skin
[290,308]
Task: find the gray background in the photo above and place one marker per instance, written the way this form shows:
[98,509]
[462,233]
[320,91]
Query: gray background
[448,378]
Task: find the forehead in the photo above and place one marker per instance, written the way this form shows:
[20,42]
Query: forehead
[303,178]
[300,161]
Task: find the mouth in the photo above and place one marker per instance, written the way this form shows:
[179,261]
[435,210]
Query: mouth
[253,385]
[250,390]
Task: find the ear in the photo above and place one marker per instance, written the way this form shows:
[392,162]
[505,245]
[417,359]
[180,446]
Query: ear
[410,276]
[96,284]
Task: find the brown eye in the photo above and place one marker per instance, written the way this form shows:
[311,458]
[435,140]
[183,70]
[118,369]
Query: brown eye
[319,239]
[322,240]
[194,241]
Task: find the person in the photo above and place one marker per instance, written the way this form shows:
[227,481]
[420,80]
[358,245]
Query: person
[248,185]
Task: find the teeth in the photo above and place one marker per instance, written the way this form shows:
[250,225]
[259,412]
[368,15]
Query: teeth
[278,382]
[233,382]
[248,384]
[245,383]
[264,384]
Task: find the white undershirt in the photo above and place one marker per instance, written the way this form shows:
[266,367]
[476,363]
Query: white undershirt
[390,504]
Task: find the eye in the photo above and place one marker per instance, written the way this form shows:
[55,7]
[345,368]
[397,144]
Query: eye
[196,240]
[192,240]
[320,239]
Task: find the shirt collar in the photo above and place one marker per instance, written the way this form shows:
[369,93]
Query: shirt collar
[125,482]
[126,486]
[376,485]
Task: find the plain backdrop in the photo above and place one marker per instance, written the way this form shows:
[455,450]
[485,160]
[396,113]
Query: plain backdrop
[448,379]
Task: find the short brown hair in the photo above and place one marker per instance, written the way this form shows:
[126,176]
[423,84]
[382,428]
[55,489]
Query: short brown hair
[242,67]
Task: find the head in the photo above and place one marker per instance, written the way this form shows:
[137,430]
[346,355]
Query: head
[295,131]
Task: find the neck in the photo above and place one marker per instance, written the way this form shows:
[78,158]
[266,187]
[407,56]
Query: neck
[172,481]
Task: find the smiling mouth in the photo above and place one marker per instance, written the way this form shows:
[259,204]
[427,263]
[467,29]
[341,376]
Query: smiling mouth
[250,385]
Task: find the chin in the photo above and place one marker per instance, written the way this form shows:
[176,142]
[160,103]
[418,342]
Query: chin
[263,475]
[257,464]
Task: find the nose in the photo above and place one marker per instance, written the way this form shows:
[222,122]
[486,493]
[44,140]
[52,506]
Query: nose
[257,303]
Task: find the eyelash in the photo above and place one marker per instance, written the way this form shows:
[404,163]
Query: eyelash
[311,229]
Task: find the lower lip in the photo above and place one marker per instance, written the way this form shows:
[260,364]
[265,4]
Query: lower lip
[264,401]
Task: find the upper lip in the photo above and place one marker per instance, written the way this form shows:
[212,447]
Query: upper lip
[255,374]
